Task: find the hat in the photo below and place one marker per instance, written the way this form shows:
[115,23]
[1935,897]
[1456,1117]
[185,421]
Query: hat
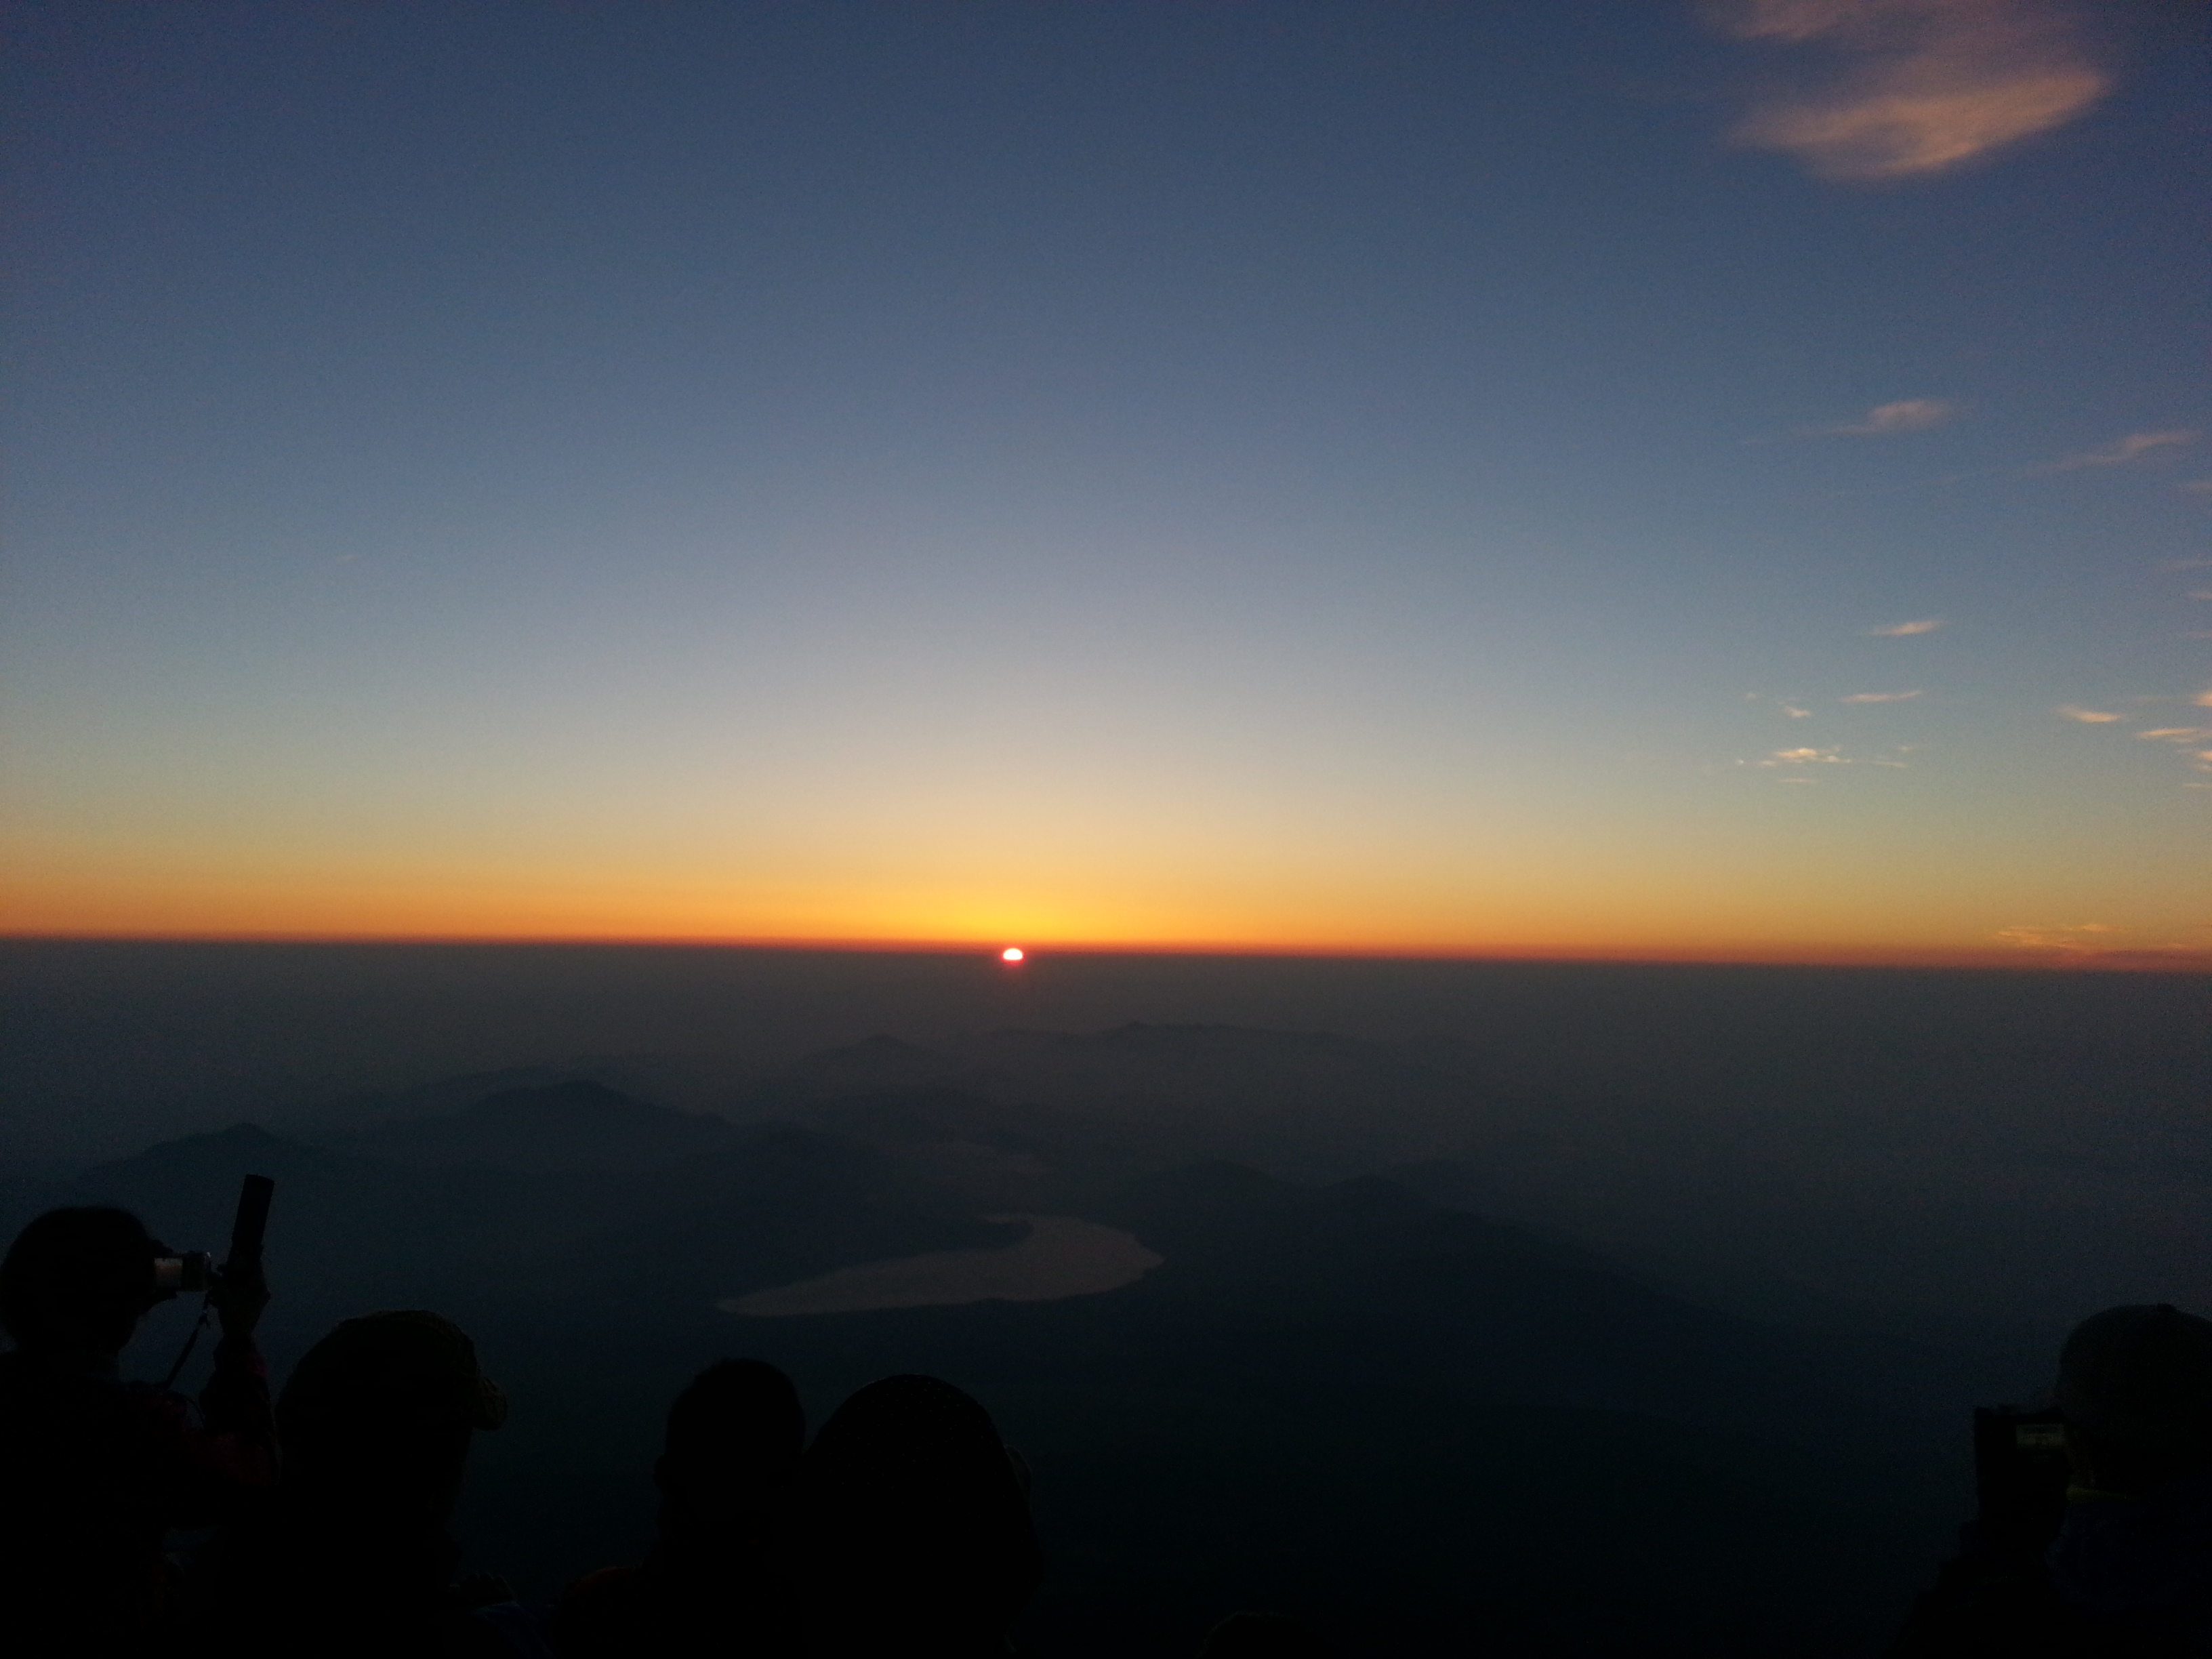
[2141,1376]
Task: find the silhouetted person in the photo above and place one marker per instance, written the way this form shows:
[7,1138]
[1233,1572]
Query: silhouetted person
[719,1577]
[1263,1635]
[94,1471]
[2130,1571]
[355,1560]
[916,1527]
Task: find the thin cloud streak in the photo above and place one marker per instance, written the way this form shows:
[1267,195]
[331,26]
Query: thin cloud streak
[1906,630]
[2181,737]
[1789,760]
[2062,937]
[1880,696]
[2121,451]
[1906,415]
[1924,86]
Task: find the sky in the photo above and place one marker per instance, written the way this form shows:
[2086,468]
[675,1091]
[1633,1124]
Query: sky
[1619,479]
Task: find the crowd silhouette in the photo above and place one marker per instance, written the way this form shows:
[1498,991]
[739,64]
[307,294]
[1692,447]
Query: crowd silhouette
[902,1529]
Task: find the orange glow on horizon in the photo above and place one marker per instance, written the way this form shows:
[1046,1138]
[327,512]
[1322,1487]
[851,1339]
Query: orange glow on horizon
[1760,955]
[1503,907]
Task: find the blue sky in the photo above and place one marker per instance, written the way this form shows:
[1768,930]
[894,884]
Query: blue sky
[1331,475]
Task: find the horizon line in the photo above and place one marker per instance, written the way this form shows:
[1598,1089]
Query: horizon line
[1956,958]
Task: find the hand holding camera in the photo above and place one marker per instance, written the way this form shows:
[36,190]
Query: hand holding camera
[237,1291]
[240,1292]
[237,1295]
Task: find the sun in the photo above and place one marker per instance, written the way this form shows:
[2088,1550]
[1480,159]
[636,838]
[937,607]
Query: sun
[1012,953]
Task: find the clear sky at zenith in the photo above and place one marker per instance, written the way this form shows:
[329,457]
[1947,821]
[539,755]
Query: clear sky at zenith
[1622,477]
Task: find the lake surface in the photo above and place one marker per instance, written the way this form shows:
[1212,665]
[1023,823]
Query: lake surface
[1062,1256]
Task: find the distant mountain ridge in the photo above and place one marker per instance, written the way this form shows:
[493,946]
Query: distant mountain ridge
[574,1124]
[1410,1417]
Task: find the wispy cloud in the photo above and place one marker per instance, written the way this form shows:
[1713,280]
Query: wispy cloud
[2121,451]
[2188,564]
[2181,737]
[1796,713]
[2097,943]
[1880,696]
[1906,415]
[1906,630]
[1920,86]
[2062,937]
[1793,763]
[2200,486]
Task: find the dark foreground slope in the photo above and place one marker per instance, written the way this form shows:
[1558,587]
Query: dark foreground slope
[1418,1429]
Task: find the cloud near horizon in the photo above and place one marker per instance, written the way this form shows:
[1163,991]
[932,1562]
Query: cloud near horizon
[1923,86]
[1906,630]
[1803,758]
[2121,451]
[2086,716]
[1880,696]
[2062,937]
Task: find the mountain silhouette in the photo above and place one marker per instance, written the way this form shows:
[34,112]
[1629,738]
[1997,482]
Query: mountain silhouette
[1385,1413]
[577,1123]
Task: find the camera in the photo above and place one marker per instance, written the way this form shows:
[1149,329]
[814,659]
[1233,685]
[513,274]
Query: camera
[183,1274]
[189,1272]
[195,1270]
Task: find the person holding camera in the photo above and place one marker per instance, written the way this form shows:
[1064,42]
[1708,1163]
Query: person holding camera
[2102,1545]
[93,1471]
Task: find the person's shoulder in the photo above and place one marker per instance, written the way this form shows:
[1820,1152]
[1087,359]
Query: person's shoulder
[509,1630]
[594,1612]
[44,1401]
[603,1591]
[1990,1613]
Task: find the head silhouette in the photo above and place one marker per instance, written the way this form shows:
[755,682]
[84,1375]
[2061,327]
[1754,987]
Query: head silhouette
[76,1281]
[2136,1385]
[917,1528]
[375,1421]
[732,1454]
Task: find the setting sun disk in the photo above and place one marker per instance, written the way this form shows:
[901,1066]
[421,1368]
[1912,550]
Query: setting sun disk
[1012,953]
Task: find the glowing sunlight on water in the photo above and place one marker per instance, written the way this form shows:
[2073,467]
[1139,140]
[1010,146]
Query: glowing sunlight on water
[1061,1257]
